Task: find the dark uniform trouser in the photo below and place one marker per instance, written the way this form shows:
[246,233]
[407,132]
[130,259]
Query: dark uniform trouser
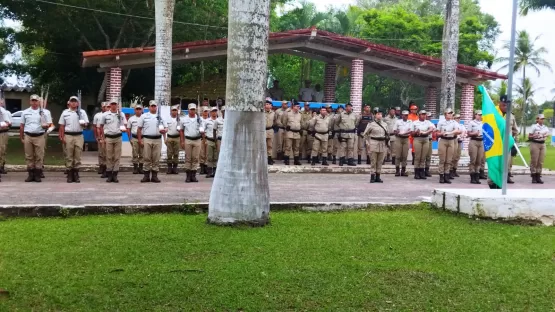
[172,150]
[137,151]
[420,152]
[192,153]
[476,153]
[74,149]
[212,154]
[113,153]
[446,151]
[151,153]
[401,151]
[319,146]
[3,147]
[537,155]
[429,153]
[457,154]
[34,151]
[102,153]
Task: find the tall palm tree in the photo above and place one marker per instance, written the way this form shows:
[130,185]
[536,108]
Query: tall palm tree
[527,92]
[450,50]
[163,12]
[240,193]
[527,55]
[536,5]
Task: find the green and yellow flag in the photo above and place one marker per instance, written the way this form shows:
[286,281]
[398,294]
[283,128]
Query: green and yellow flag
[493,130]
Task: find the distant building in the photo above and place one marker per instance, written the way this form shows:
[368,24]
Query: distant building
[17,97]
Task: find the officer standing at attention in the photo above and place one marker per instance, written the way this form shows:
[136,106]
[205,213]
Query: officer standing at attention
[475,147]
[402,130]
[281,140]
[191,137]
[203,144]
[431,136]
[72,122]
[422,129]
[514,130]
[398,112]
[346,123]
[365,118]
[378,136]
[98,136]
[458,148]
[336,132]
[5,123]
[132,126]
[211,130]
[537,136]
[64,151]
[31,133]
[448,130]
[291,120]
[270,123]
[320,127]
[306,137]
[112,124]
[391,121]
[150,129]
[173,141]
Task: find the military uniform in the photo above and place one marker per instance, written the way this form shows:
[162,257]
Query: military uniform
[211,128]
[149,127]
[270,123]
[5,122]
[280,135]
[422,130]
[33,129]
[101,144]
[73,122]
[365,119]
[446,147]
[193,128]
[346,125]
[320,127]
[377,134]
[306,136]
[203,145]
[430,149]
[391,122]
[537,137]
[458,150]
[112,125]
[475,149]
[133,125]
[292,122]
[173,141]
[402,131]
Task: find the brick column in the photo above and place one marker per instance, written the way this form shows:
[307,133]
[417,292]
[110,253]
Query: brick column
[330,72]
[467,107]
[357,75]
[113,90]
[431,101]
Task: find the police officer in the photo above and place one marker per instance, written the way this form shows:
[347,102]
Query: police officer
[537,136]
[211,130]
[402,131]
[514,131]
[391,121]
[173,140]
[378,136]
[422,128]
[98,136]
[132,126]
[365,118]
[306,137]
[270,124]
[347,123]
[112,124]
[447,130]
[31,133]
[150,129]
[458,148]
[398,112]
[281,140]
[475,147]
[191,141]
[320,128]
[72,121]
[427,172]
[220,133]
[292,120]
[64,149]
[203,145]
[5,124]
[336,132]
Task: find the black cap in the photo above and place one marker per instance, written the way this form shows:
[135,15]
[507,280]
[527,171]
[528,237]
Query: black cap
[504,99]
[349,104]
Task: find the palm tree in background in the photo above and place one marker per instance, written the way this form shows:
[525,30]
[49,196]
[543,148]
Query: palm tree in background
[536,5]
[527,92]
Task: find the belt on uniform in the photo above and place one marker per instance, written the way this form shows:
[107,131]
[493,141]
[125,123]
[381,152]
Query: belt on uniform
[4,131]
[402,136]
[152,137]
[448,139]
[460,141]
[219,138]
[211,139]
[172,136]
[378,139]
[113,136]
[348,131]
[34,135]
[282,128]
[294,131]
[539,142]
[326,132]
[192,138]
[477,139]
[73,133]
[269,128]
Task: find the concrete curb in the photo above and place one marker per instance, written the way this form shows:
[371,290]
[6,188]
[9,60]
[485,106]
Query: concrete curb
[12,211]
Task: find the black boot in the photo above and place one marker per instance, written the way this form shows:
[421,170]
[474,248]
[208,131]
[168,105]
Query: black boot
[477,178]
[397,171]
[452,174]
[99,169]
[473,178]
[314,159]
[270,160]
[482,175]
[154,178]
[422,174]
[194,176]
[141,171]
[66,172]
[309,159]
[447,181]
[42,172]
[442,178]
[510,181]
[393,160]
[378,180]
[404,172]
[38,173]
[70,176]
[3,170]
[412,159]
[170,167]
[104,173]
[296,161]
[372,178]
[427,172]
[279,156]
[135,169]
[188,179]
[341,161]
[351,162]
[30,175]
[115,177]
[539,178]
[359,160]
[146,177]
[417,174]
[325,161]
[286,160]
[76,178]
[108,176]
[334,161]
[534,181]
[210,172]
[455,173]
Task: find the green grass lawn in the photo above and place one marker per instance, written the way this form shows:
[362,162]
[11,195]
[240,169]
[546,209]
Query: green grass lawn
[53,156]
[410,260]
[548,163]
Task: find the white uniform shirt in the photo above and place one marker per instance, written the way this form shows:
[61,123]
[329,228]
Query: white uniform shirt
[149,124]
[70,119]
[5,117]
[172,126]
[541,132]
[306,94]
[192,126]
[446,126]
[404,127]
[97,118]
[423,126]
[112,123]
[220,127]
[462,128]
[475,126]
[32,120]
[210,125]
[133,124]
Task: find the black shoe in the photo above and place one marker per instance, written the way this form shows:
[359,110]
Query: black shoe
[42,172]
[146,177]
[334,161]
[115,177]
[202,169]
[309,159]
[296,161]
[427,172]
[135,169]
[477,178]
[378,180]
[359,160]
[314,159]
[393,160]
[539,178]
[286,160]
[442,178]
[455,173]
[76,176]
[404,172]
[510,181]
[194,176]
[417,174]
[38,173]
[188,179]
[209,173]
[104,173]
[3,170]
[141,171]
[170,169]
[473,178]
[325,161]
[270,160]
[31,175]
[66,172]
[482,175]
[368,159]
[422,174]
[342,161]
[108,176]
[446,177]
[397,171]
[534,181]
[279,156]
[70,176]
[351,162]
[99,169]
[154,178]
[372,178]
[511,175]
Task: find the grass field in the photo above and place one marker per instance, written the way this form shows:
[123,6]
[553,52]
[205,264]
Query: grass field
[53,156]
[548,163]
[410,260]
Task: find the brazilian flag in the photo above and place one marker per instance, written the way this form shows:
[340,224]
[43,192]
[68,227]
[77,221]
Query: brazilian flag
[493,130]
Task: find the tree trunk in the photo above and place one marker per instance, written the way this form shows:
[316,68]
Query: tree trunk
[240,193]
[449,53]
[163,53]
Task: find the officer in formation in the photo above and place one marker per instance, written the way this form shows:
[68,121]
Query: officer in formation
[336,135]
[220,131]
[365,119]
[378,138]
[203,144]
[346,125]
[72,122]
[211,130]
[271,122]
[31,132]
[306,136]
[64,151]
[537,136]
[427,172]
[514,131]
[447,130]
[320,129]
[292,121]
[173,140]
[280,137]
[112,124]
[191,142]
[98,136]
[5,124]
[422,128]
[132,126]
[475,147]
[402,131]
[458,148]
[391,121]
[150,129]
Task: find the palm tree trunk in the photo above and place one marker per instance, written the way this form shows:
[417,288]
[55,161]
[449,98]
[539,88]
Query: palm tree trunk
[240,193]
[163,52]
[449,52]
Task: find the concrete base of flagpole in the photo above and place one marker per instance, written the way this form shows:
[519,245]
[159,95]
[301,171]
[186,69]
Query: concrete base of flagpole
[519,205]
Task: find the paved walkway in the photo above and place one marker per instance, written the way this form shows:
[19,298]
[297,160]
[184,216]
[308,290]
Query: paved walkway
[283,188]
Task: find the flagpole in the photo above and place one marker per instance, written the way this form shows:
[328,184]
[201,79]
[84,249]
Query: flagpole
[506,141]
